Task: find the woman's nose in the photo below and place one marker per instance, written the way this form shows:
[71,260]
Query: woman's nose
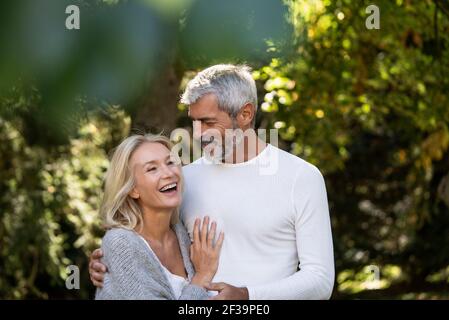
[167,172]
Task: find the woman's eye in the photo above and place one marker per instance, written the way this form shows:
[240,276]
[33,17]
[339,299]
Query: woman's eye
[170,163]
[151,169]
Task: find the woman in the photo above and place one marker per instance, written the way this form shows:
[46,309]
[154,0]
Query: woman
[145,248]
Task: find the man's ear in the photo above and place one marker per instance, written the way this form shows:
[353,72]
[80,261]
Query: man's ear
[134,194]
[246,115]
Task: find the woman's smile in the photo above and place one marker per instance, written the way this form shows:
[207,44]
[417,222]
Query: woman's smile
[170,189]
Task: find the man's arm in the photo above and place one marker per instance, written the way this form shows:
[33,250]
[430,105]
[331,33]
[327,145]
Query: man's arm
[96,268]
[315,279]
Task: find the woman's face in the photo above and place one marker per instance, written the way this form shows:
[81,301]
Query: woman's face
[157,176]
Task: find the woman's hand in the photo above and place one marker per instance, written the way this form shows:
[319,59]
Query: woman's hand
[204,253]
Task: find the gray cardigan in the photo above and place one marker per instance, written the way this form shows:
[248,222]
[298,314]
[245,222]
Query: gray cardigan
[135,273]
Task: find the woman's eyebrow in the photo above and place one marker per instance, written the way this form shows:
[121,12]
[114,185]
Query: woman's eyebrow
[154,161]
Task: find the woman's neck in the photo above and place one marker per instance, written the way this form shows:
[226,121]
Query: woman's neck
[155,225]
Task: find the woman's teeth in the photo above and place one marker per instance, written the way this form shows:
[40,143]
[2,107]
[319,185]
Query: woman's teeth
[168,187]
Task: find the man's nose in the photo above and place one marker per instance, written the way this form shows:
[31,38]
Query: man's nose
[198,129]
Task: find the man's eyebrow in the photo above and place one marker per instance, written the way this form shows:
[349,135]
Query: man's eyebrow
[203,119]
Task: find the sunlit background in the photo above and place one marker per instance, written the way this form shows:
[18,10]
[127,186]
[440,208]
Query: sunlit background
[370,108]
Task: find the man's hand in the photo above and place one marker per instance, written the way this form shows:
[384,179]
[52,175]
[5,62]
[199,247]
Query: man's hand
[96,268]
[228,292]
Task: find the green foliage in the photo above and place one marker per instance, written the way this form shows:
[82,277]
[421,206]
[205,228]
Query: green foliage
[371,109]
[49,201]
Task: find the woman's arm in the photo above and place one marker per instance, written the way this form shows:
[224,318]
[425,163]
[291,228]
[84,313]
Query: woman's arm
[130,276]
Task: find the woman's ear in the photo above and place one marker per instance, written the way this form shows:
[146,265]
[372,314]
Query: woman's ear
[134,194]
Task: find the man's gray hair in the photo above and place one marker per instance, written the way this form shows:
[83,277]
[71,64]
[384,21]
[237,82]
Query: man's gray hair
[233,86]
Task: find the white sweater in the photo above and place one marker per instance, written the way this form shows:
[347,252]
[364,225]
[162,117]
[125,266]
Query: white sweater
[273,210]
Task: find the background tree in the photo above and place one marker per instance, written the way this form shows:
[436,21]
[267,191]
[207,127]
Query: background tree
[369,107]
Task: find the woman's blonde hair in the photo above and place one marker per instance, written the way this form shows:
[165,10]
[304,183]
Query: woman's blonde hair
[118,209]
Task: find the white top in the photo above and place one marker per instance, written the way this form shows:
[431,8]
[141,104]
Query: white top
[273,210]
[177,282]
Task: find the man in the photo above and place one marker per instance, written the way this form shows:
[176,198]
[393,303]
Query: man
[274,221]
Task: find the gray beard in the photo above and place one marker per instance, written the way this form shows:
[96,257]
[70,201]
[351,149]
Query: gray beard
[227,145]
[231,142]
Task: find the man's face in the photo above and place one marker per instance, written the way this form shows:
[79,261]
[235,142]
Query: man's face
[209,122]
